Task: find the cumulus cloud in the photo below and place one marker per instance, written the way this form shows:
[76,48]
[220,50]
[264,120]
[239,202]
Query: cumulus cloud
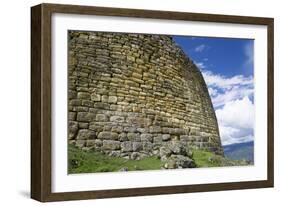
[236,121]
[231,98]
[238,113]
[200,48]
[217,80]
[236,92]
[225,89]
[231,135]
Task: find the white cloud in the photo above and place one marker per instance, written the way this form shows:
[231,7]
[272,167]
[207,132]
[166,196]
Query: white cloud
[231,135]
[225,89]
[200,48]
[238,113]
[236,92]
[224,82]
[212,91]
[200,65]
[234,109]
[236,121]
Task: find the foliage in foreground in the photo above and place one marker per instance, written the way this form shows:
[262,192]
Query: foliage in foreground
[87,162]
[208,159]
[90,161]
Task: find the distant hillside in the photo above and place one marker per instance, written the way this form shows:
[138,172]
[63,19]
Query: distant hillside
[240,151]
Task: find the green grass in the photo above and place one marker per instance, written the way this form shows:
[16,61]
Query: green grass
[87,162]
[90,161]
[208,159]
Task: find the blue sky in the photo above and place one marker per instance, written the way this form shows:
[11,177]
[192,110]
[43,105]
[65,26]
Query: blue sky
[227,67]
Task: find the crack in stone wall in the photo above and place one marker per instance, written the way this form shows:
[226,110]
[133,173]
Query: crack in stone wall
[131,94]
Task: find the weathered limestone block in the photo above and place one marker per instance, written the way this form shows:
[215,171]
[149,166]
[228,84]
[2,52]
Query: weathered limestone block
[104,98]
[95,97]
[111,145]
[83,125]
[155,129]
[177,131]
[101,118]
[157,140]
[87,103]
[72,129]
[101,105]
[79,109]
[127,146]
[84,95]
[147,146]
[71,116]
[98,143]
[85,134]
[179,161]
[176,147]
[134,137]
[90,143]
[119,119]
[75,102]
[118,129]
[166,137]
[130,129]
[85,116]
[164,153]
[184,138]
[95,127]
[108,135]
[112,99]
[137,146]
[123,137]
[143,130]
[146,137]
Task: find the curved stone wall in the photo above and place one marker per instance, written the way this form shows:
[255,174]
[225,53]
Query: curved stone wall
[131,94]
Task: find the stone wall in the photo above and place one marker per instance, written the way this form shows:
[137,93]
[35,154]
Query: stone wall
[133,95]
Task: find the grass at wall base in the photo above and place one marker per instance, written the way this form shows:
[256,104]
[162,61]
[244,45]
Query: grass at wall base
[92,161]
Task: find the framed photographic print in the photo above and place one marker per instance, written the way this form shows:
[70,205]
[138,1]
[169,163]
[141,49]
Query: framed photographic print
[132,102]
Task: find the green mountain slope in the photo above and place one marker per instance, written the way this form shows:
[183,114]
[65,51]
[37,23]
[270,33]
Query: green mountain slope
[240,151]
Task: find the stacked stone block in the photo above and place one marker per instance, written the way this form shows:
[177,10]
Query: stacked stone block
[129,95]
